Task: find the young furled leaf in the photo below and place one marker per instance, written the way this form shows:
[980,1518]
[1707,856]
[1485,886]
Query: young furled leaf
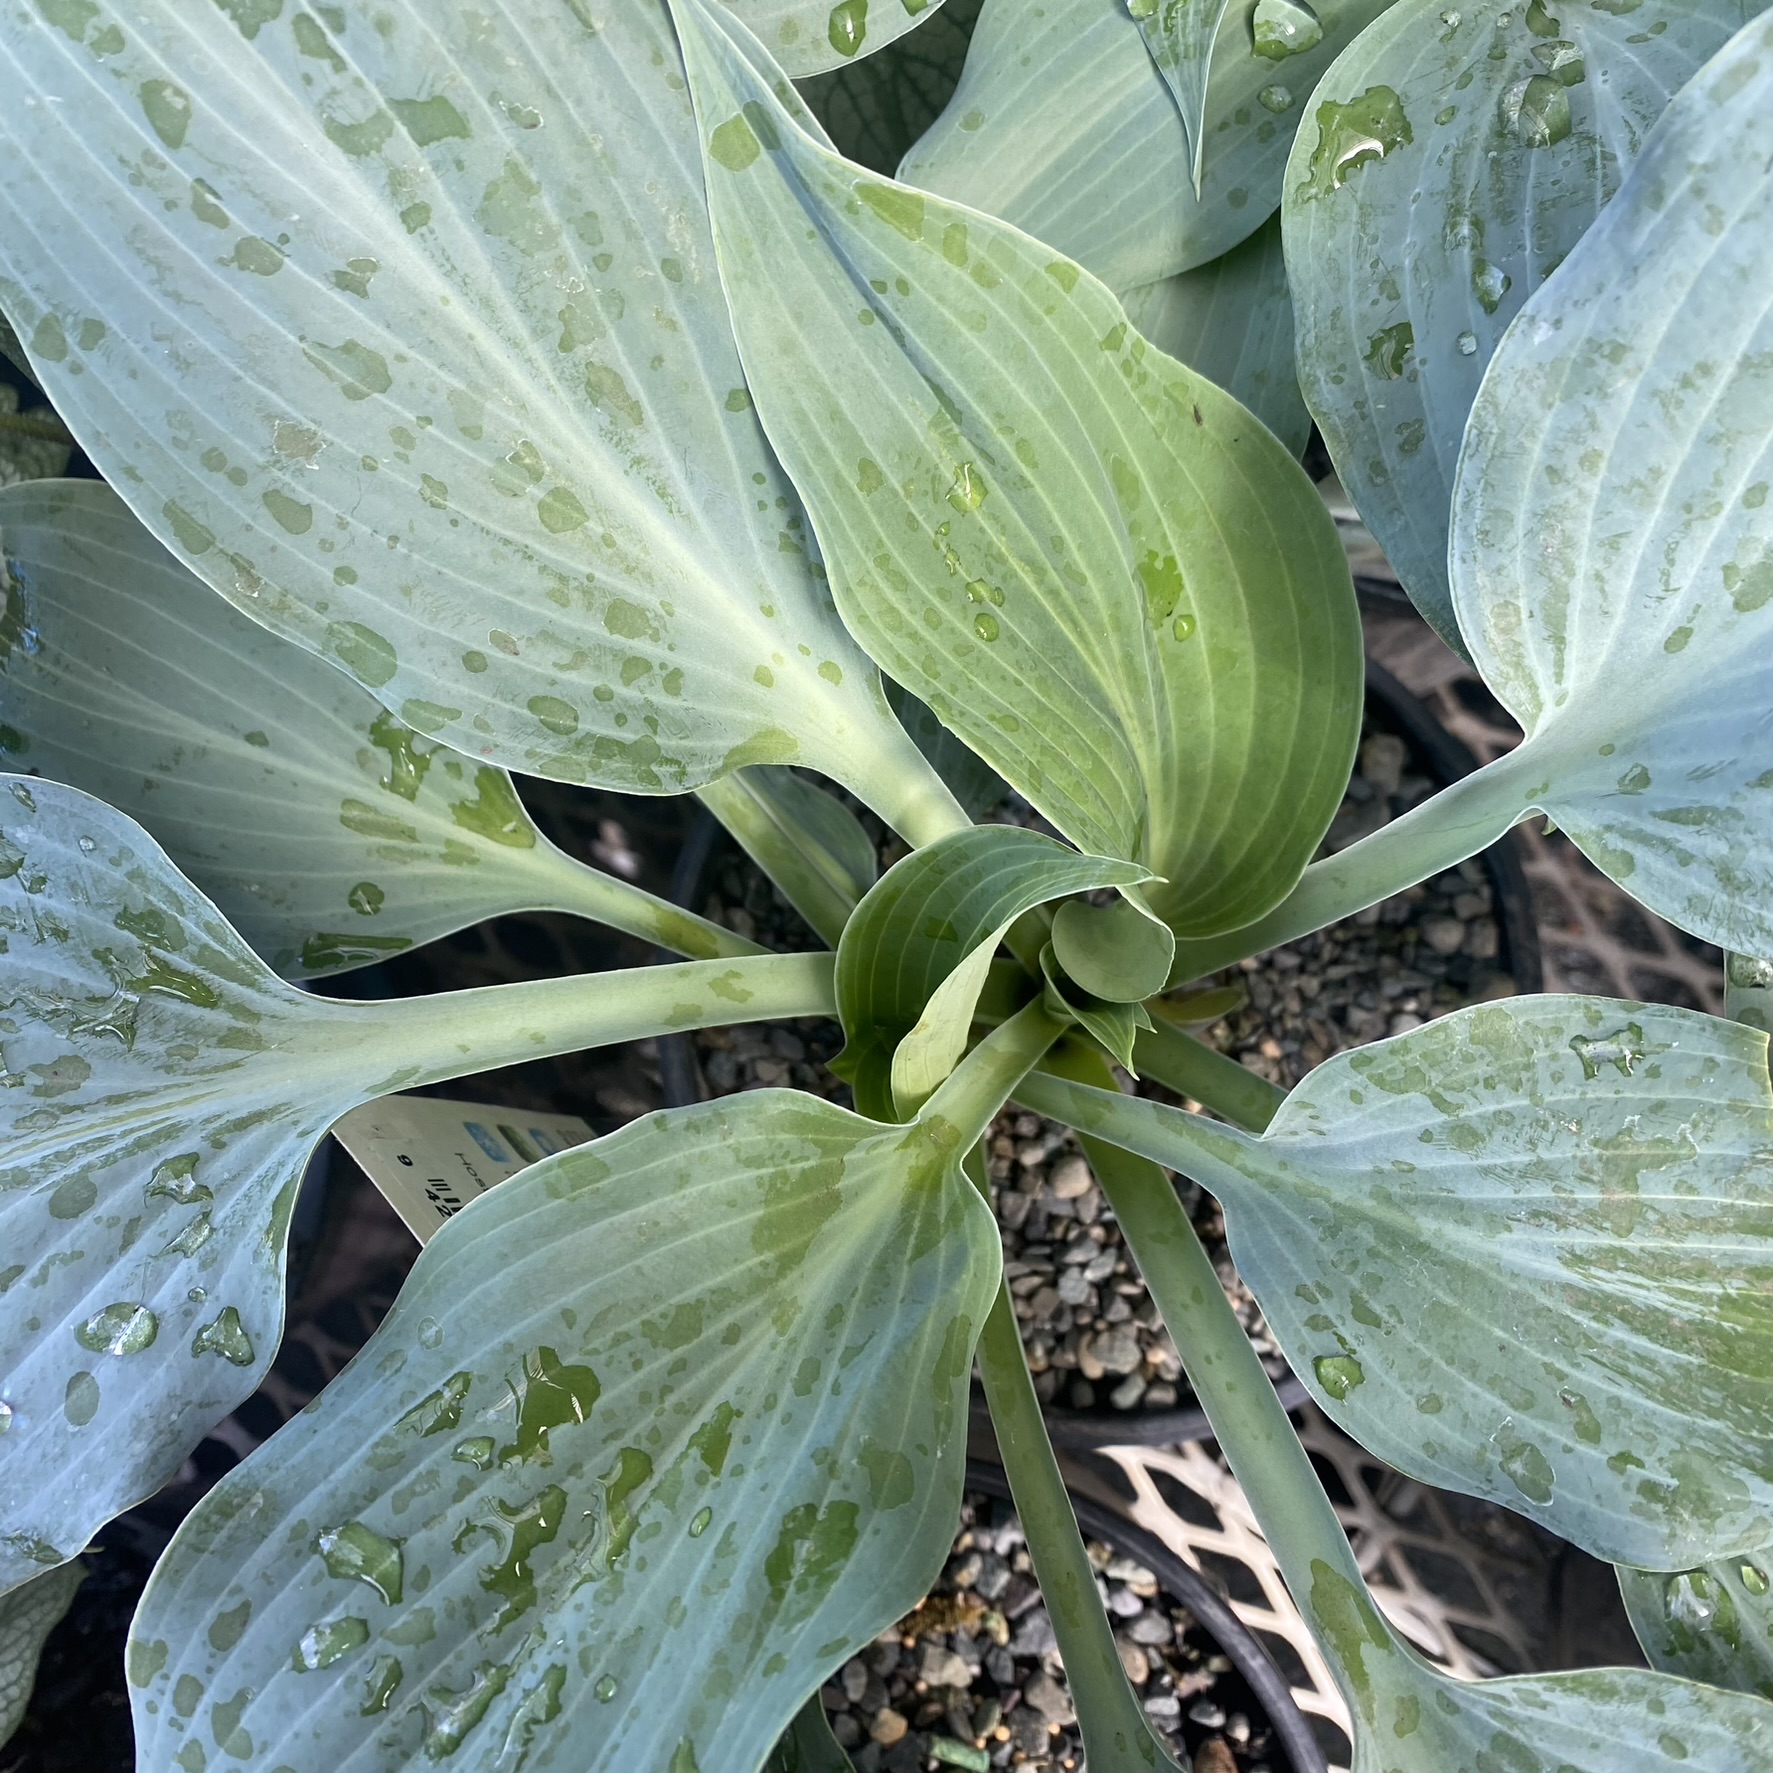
[914,957]
[1449,163]
[1062,125]
[658,1434]
[160,1096]
[1525,1252]
[329,833]
[444,387]
[1094,566]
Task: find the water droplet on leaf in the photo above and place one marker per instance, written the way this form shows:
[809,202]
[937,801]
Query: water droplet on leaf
[1538,111]
[606,1689]
[985,625]
[968,491]
[1275,98]
[1279,28]
[1352,135]
[124,1328]
[227,1337]
[848,25]
[476,1450]
[1468,344]
[1338,1374]
[356,1552]
[1691,1600]
[1622,1050]
[323,1645]
[1489,284]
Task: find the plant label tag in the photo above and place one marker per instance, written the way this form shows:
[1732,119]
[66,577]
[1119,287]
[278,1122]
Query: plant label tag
[431,1157]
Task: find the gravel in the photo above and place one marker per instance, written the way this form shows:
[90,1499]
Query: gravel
[971,1677]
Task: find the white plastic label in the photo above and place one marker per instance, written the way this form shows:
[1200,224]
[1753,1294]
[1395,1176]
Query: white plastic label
[432,1157]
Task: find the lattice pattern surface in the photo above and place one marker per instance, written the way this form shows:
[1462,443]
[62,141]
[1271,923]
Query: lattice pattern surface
[1468,1584]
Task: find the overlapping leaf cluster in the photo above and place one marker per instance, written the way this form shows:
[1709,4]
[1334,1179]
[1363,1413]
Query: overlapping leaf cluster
[537,389]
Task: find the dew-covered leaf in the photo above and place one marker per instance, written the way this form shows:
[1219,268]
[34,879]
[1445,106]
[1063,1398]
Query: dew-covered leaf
[803,837]
[1062,125]
[1612,532]
[1092,564]
[1713,1624]
[27,1616]
[1233,321]
[1525,1252]
[1450,161]
[328,832]
[1180,35]
[810,36]
[658,1434]
[406,332]
[914,957]
[1408,1715]
[160,1094]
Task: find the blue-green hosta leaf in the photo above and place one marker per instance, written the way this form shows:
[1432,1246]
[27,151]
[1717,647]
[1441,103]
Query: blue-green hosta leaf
[1233,321]
[810,36]
[1411,1718]
[406,332]
[27,1616]
[1091,563]
[1612,531]
[160,1096]
[329,833]
[1180,35]
[807,1745]
[1713,1624]
[803,837]
[1450,162]
[658,1433]
[1062,125]
[914,957]
[1525,1252]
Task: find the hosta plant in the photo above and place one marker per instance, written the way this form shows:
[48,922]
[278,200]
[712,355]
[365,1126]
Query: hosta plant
[534,389]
